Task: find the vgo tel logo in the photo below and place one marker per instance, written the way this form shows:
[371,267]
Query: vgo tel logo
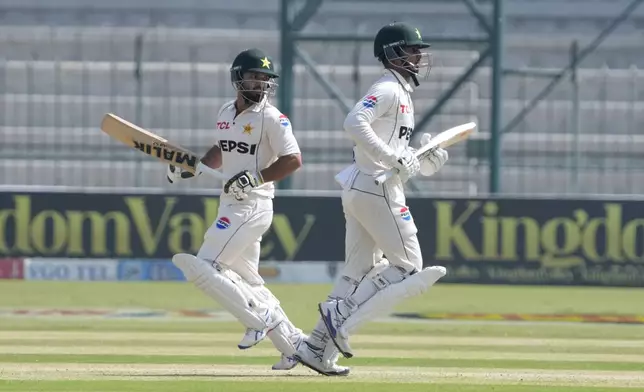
[62,269]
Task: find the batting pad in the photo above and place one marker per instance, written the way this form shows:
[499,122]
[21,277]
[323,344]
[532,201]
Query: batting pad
[222,289]
[392,295]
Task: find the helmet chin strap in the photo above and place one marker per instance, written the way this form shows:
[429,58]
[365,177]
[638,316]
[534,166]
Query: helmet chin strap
[412,75]
[414,79]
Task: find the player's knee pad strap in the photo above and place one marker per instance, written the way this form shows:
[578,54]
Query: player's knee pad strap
[378,278]
[221,288]
[344,287]
[264,295]
[386,299]
[386,275]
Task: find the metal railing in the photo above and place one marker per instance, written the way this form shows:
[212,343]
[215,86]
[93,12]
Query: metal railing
[585,137]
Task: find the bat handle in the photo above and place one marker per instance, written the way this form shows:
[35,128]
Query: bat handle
[202,168]
[384,177]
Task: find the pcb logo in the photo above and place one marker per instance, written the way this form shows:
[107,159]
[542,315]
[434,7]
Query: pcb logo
[369,101]
[284,121]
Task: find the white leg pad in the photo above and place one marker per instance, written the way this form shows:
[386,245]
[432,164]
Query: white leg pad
[219,286]
[285,336]
[264,295]
[342,290]
[378,269]
[284,339]
[391,296]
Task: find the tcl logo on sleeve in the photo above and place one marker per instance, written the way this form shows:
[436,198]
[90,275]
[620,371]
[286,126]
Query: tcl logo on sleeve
[223,125]
[240,147]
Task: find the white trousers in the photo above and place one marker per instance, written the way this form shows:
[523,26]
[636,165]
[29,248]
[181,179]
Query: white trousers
[377,222]
[235,236]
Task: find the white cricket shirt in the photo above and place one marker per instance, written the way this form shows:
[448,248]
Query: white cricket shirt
[253,140]
[381,124]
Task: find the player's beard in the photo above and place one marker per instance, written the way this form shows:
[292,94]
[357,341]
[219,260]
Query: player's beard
[252,97]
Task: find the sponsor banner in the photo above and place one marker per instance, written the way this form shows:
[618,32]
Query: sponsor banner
[139,270]
[536,241]
[131,226]
[94,313]
[550,318]
[300,272]
[11,269]
[271,271]
[504,240]
[69,269]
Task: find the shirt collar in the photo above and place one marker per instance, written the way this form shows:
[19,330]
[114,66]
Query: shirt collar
[399,78]
[258,107]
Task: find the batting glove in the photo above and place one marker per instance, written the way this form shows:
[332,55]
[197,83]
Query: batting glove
[433,160]
[242,183]
[407,164]
[175,173]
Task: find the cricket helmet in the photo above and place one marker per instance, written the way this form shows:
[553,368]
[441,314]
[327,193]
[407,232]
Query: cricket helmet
[257,62]
[395,42]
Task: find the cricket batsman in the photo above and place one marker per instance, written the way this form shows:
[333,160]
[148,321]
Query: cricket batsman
[255,146]
[378,221]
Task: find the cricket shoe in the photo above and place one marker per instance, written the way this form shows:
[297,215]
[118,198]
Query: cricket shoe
[285,363]
[313,358]
[289,362]
[253,336]
[333,321]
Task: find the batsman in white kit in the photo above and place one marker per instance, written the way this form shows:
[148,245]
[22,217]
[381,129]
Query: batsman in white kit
[383,263]
[255,146]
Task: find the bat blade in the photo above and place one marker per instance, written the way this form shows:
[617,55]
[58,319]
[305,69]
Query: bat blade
[448,138]
[442,140]
[149,143]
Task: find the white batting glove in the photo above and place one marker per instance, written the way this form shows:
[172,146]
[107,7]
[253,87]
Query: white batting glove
[431,161]
[174,174]
[407,164]
[241,183]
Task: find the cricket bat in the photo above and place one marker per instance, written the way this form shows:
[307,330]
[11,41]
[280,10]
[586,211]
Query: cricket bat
[155,146]
[442,140]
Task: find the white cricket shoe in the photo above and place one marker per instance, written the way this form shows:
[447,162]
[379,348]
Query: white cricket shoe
[253,336]
[312,358]
[333,321]
[285,363]
[289,362]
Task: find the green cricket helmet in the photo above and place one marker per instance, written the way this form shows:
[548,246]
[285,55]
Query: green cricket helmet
[400,41]
[252,73]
